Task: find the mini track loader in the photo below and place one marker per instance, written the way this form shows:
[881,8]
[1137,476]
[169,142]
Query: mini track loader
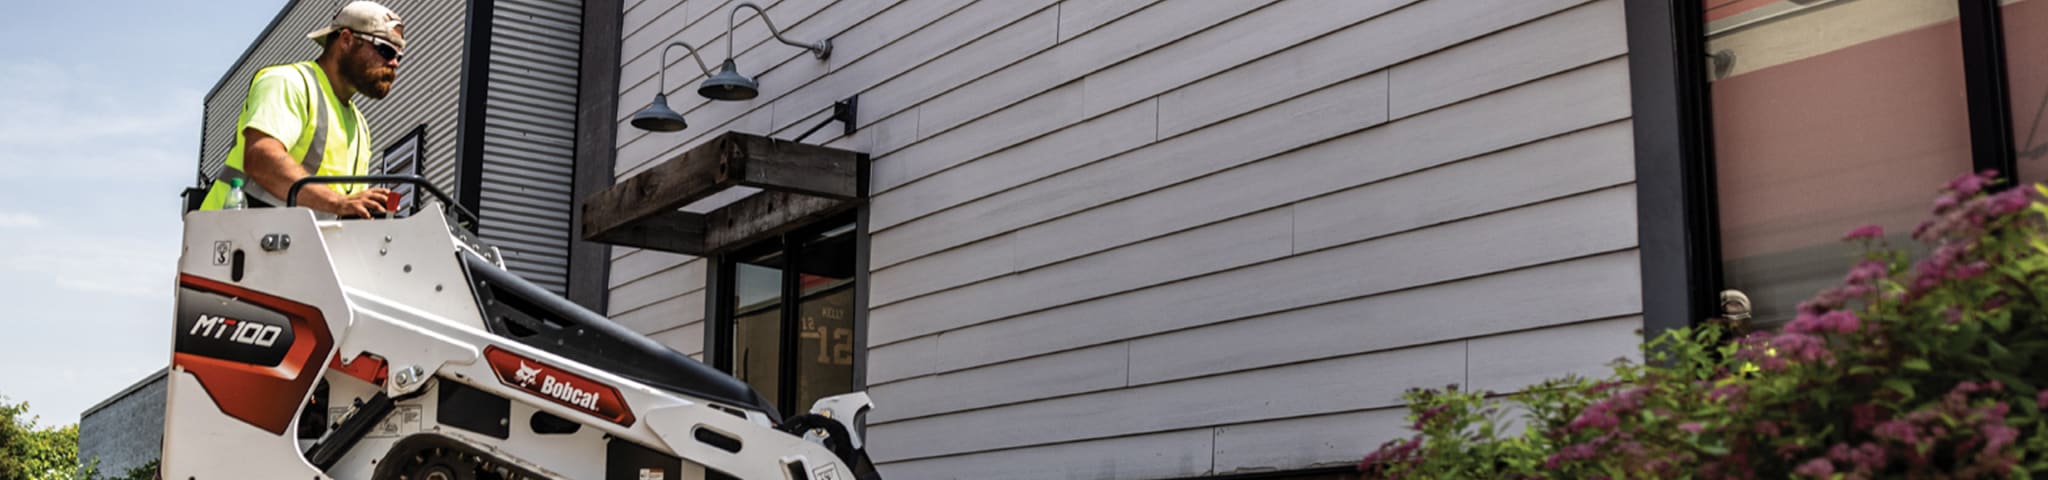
[401,348]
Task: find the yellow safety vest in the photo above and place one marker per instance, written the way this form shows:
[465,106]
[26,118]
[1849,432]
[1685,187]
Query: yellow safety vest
[317,155]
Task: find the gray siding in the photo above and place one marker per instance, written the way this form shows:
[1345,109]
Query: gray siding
[1138,239]
[126,430]
[530,136]
[426,92]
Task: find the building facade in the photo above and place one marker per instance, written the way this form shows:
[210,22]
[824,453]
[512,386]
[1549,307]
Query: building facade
[1151,239]
[1160,239]
[1147,239]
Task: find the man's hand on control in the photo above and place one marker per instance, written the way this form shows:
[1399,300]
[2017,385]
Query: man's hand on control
[363,204]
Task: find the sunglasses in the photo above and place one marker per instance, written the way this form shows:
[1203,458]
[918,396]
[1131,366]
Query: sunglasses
[384,49]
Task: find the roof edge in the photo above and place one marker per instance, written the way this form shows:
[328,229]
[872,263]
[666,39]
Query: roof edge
[125,392]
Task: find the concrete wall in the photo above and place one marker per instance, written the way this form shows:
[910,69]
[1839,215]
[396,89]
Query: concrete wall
[126,430]
[1146,239]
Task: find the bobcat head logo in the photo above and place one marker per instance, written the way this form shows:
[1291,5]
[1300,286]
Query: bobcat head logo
[525,375]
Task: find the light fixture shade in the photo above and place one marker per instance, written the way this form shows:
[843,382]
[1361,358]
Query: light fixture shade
[657,117]
[729,85]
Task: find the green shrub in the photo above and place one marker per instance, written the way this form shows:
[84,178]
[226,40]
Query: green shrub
[1908,369]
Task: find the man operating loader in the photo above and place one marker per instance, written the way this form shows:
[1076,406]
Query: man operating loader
[300,119]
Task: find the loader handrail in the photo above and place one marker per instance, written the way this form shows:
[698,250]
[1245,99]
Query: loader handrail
[291,198]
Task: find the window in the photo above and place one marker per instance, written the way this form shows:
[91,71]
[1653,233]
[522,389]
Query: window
[2026,36]
[787,315]
[405,157]
[1827,116]
[1765,129]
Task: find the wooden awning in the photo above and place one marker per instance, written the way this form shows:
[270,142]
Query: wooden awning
[799,182]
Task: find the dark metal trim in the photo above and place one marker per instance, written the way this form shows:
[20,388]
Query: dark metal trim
[1676,215]
[718,307]
[862,243]
[199,181]
[597,102]
[419,152]
[787,348]
[475,90]
[1990,99]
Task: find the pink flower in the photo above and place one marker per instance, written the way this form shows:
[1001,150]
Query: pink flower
[2009,201]
[1969,271]
[1423,419]
[1867,457]
[1768,428]
[1971,183]
[1692,427]
[1945,203]
[1835,321]
[2041,399]
[1866,271]
[1898,430]
[1997,436]
[1571,453]
[1866,232]
[1801,347]
[1817,468]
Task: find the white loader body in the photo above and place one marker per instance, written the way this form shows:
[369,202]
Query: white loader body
[478,377]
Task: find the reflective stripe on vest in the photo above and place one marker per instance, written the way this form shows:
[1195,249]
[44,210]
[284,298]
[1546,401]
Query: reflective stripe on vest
[316,150]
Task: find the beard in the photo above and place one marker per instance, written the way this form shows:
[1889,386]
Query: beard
[370,78]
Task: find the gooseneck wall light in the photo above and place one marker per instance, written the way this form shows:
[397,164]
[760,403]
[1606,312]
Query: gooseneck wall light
[726,84]
[658,117]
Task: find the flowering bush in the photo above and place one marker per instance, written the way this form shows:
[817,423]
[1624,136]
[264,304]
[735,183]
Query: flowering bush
[1926,369]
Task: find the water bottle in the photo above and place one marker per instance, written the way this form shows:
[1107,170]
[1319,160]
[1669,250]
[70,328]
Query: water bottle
[236,200]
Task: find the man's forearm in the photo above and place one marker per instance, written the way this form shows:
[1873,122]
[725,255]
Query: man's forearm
[270,166]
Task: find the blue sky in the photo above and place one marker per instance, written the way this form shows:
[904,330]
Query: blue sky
[99,129]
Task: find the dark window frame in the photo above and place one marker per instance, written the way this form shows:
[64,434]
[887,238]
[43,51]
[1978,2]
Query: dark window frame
[719,308]
[417,139]
[1677,217]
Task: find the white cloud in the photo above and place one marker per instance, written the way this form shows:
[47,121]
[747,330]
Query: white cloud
[19,220]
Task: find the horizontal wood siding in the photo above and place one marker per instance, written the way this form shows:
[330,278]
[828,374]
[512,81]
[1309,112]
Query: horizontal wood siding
[1146,239]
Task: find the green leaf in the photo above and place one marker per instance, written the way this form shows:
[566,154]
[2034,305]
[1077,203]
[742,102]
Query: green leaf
[1899,385]
[1916,364]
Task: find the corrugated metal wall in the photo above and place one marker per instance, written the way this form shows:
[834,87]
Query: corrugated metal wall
[426,93]
[529,136]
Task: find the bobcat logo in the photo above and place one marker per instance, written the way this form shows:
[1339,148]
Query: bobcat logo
[525,375]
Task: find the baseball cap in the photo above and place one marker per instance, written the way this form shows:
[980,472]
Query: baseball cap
[364,17]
